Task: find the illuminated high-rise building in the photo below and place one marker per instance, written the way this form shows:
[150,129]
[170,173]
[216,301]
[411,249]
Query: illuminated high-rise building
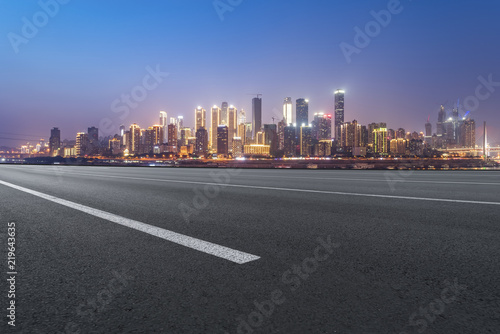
[441,127]
[350,136]
[134,139]
[289,141]
[164,125]
[232,121]
[321,126]
[339,112]
[93,146]
[256,115]
[223,114]
[302,112]
[200,116]
[288,110]
[380,140]
[242,118]
[468,133]
[82,141]
[55,141]
[157,135]
[172,135]
[222,140]
[122,130]
[215,124]
[305,140]
[201,141]
[271,138]
[428,132]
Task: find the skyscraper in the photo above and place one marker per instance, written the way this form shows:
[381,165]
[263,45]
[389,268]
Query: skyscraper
[134,139]
[380,140]
[428,132]
[81,146]
[93,134]
[440,126]
[222,140]
[164,124]
[256,115]
[289,141]
[288,111]
[200,116]
[223,114]
[302,112]
[172,135]
[350,136]
[215,124]
[232,120]
[201,141]
[468,133]
[305,140]
[55,141]
[339,112]
[271,138]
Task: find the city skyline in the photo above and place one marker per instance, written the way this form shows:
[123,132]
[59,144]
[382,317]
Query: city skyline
[54,81]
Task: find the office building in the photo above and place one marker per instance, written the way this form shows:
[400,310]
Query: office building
[164,125]
[201,141]
[222,140]
[305,140]
[213,129]
[200,116]
[302,112]
[256,115]
[54,141]
[339,112]
[288,111]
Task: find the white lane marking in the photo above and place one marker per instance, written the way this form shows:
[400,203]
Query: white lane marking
[184,240]
[295,189]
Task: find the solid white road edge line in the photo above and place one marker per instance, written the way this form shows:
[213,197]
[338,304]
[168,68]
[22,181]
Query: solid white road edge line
[184,240]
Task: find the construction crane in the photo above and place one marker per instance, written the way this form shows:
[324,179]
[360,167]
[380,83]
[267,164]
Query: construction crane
[257,94]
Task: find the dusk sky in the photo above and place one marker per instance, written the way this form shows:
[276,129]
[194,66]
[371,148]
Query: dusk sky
[91,52]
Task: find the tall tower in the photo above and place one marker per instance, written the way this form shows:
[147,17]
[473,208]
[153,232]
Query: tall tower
[288,110]
[339,112]
[135,138]
[200,116]
[55,141]
[222,142]
[232,125]
[302,112]
[256,115]
[223,114]
[440,130]
[215,124]
[164,125]
[428,131]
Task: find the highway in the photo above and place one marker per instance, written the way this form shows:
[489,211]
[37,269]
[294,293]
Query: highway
[179,250]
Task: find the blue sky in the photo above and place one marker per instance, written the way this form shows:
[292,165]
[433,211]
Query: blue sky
[91,52]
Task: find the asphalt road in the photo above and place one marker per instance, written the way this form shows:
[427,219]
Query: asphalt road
[169,250]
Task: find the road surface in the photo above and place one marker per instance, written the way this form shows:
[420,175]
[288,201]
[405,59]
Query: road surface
[171,250]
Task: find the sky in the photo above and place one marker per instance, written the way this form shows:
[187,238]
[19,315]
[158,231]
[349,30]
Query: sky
[70,64]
